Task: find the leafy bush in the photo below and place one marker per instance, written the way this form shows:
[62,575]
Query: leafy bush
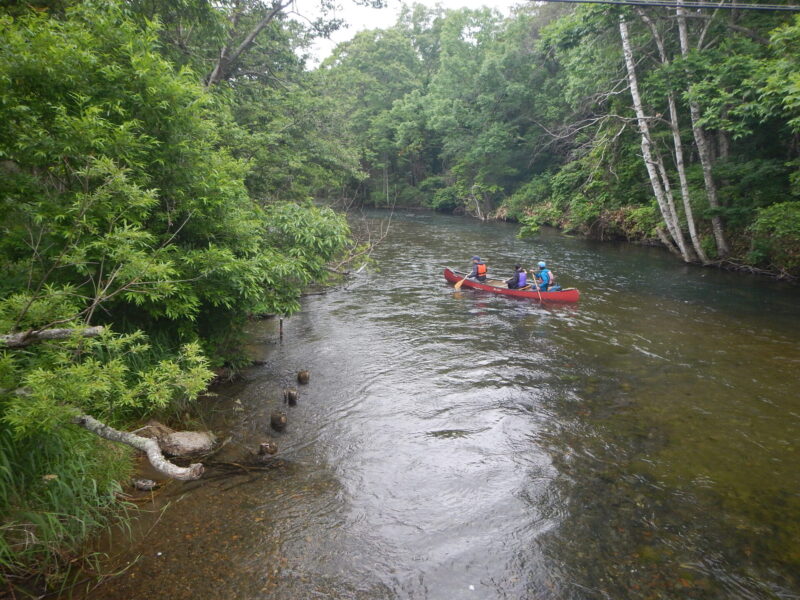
[445,199]
[642,221]
[117,172]
[776,236]
[542,214]
[535,191]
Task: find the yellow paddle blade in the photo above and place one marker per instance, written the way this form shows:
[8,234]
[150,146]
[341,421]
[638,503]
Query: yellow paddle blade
[458,285]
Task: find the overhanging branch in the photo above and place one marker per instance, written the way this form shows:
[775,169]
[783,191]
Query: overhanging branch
[18,340]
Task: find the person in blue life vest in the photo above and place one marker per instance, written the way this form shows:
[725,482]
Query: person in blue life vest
[519,280]
[478,269]
[543,278]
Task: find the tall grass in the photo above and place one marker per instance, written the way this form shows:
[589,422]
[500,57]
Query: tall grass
[55,492]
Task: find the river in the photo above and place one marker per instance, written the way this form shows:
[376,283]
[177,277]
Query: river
[643,443]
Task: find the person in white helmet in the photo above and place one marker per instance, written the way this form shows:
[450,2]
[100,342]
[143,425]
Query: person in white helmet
[543,278]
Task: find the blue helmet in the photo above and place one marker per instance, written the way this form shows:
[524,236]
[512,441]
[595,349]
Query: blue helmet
[476,258]
[541,264]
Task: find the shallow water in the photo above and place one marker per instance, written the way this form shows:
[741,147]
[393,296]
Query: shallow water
[641,444]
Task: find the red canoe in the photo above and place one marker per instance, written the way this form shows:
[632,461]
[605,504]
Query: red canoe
[566,295]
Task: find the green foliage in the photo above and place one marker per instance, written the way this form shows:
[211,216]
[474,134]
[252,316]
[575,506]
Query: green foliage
[132,196]
[445,199]
[546,213]
[534,192]
[125,184]
[748,185]
[781,90]
[100,376]
[522,116]
[643,221]
[307,237]
[776,236]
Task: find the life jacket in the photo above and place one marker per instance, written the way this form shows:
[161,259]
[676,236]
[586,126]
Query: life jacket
[544,275]
[522,279]
[480,269]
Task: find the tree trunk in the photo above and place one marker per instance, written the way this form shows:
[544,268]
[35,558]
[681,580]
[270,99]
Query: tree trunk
[667,241]
[655,170]
[723,145]
[680,166]
[678,144]
[386,179]
[146,445]
[702,146]
[477,203]
[227,57]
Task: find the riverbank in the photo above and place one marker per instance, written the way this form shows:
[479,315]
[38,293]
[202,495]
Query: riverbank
[632,235]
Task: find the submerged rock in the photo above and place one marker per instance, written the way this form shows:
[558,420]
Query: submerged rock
[184,443]
[267,448]
[144,485]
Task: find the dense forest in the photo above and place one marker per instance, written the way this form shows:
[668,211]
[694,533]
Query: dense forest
[650,124]
[160,162]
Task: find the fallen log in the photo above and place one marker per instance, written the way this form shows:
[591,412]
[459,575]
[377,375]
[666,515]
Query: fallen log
[18,340]
[148,446]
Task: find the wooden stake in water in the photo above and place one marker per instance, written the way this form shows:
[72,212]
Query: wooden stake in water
[281,328]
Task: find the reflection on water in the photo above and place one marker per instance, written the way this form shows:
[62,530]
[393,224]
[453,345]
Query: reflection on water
[642,444]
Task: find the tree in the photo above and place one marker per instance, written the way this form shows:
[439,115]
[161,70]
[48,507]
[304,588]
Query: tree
[228,32]
[656,170]
[702,145]
[121,208]
[674,126]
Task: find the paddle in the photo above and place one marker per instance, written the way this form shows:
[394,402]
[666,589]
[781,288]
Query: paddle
[535,286]
[457,286]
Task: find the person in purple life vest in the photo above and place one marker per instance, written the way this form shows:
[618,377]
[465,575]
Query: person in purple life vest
[519,280]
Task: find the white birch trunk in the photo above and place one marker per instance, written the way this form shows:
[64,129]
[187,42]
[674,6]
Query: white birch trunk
[702,146]
[680,166]
[654,170]
[678,144]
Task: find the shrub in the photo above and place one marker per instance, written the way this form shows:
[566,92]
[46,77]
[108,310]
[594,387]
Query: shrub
[776,236]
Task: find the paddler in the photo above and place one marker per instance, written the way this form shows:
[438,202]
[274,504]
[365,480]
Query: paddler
[478,269]
[543,278]
[519,280]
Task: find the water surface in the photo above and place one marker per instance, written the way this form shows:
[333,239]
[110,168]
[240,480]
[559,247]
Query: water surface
[641,444]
